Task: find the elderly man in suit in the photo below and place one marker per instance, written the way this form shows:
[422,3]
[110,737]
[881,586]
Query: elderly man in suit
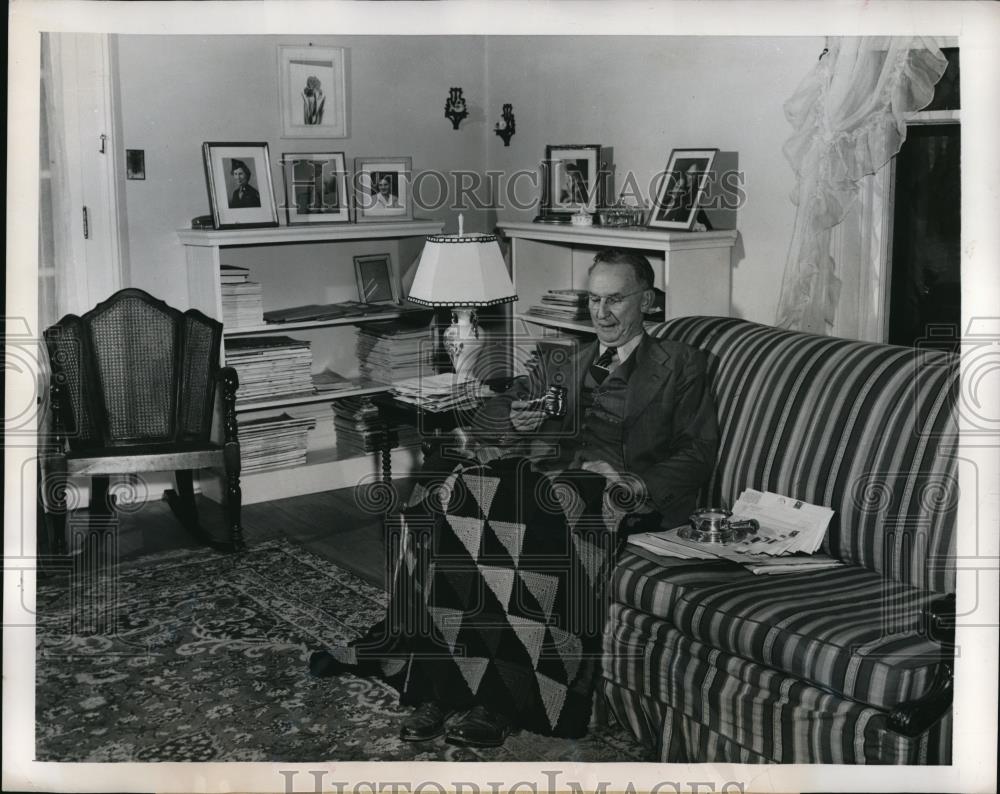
[635,405]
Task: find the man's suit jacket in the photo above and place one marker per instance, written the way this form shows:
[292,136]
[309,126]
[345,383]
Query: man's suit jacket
[670,433]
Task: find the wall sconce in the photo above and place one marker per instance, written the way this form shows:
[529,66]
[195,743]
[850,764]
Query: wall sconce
[454,108]
[505,127]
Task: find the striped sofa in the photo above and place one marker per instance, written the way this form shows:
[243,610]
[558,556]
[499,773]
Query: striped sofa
[706,662]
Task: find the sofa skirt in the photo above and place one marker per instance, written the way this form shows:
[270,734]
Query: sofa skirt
[694,704]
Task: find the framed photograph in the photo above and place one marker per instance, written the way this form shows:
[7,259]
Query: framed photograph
[681,189]
[312,91]
[375,281]
[315,188]
[382,189]
[239,185]
[573,179]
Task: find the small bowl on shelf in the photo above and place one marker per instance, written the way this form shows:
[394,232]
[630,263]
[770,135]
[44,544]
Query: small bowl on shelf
[581,219]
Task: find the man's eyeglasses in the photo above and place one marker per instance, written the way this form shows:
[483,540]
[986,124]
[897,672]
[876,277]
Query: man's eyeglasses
[611,301]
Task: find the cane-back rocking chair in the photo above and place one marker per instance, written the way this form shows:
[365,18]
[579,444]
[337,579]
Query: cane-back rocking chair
[133,389]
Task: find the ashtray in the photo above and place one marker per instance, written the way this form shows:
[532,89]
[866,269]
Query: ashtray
[712,525]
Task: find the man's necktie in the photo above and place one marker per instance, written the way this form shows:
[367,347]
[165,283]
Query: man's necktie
[601,368]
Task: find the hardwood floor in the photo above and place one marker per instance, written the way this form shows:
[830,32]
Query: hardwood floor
[330,524]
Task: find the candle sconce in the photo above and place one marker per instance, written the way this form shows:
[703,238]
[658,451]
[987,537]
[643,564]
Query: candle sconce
[505,128]
[454,108]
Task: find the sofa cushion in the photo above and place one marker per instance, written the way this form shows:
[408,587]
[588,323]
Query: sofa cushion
[866,429]
[697,704]
[848,630]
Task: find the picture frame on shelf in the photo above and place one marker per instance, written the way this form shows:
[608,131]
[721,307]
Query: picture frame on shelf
[681,189]
[575,178]
[382,189]
[240,190]
[312,92]
[376,284]
[316,188]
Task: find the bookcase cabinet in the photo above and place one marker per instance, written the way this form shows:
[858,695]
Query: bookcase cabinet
[693,268]
[298,266]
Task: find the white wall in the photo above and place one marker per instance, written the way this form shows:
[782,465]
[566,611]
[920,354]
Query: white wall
[642,95]
[179,91]
[646,95]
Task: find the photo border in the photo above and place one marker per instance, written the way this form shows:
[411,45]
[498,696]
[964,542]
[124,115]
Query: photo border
[222,214]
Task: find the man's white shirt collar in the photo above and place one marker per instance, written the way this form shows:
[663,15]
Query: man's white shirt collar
[624,351]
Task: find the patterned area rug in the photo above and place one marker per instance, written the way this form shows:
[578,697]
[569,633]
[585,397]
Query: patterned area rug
[204,658]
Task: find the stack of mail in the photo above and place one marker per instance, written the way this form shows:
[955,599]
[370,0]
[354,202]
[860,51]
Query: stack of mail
[439,392]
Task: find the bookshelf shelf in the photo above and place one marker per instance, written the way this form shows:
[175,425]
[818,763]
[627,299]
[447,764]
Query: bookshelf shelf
[277,328]
[693,268]
[325,469]
[308,398]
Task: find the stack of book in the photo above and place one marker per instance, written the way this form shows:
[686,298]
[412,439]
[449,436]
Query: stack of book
[395,350]
[242,299]
[361,430]
[270,366]
[563,304]
[274,442]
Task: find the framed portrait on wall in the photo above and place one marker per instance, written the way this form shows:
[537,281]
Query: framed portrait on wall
[681,189]
[315,188]
[312,92]
[382,189]
[375,280]
[575,178]
[239,185]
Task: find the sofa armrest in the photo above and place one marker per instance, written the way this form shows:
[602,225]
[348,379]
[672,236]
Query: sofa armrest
[916,716]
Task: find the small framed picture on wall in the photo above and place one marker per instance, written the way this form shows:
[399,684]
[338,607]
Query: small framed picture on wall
[376,283]
[239,185]
[315,188]
[382,189]
[313,92]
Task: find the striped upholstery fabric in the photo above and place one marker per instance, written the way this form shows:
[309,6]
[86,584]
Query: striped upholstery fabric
[862,639]
[709,663]
[859,427]
[695,703]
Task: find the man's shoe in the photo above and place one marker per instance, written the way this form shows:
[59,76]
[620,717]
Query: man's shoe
[427,722]
[479,728]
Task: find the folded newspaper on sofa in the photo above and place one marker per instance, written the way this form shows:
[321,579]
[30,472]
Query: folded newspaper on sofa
[790,533]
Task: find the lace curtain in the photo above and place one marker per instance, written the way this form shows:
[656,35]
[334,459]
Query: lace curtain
[849,117]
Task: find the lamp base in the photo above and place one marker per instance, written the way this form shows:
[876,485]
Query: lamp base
[460,340]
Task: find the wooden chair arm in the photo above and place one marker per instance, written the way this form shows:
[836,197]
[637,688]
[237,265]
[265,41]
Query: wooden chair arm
[225,407]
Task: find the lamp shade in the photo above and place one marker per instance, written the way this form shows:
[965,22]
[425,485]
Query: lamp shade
[462,270]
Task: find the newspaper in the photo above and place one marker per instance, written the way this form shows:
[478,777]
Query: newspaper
[787,525]
[790,533]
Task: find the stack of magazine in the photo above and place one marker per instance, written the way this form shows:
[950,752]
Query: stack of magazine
[274,442]
[438,393]
[563,304]
[242,299]
[360,428]
[270,366]
[395,350]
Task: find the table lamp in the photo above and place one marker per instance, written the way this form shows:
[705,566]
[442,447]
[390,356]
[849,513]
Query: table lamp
[465,272]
